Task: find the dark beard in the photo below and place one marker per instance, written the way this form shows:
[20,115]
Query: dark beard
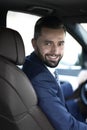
[51,64]
[46,62]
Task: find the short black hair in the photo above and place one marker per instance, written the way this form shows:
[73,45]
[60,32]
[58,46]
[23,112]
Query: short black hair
[49,22]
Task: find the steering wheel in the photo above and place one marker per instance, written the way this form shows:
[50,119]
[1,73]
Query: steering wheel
[84,93]
[80,95]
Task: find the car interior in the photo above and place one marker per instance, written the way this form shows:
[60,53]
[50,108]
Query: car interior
[18,100]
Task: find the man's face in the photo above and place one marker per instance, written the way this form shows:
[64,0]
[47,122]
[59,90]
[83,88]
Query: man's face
[49,46]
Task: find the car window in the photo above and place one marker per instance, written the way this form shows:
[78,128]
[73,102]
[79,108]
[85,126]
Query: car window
[84,26]
[24,24]
[72,53]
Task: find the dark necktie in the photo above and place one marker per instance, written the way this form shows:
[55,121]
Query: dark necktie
[59,87]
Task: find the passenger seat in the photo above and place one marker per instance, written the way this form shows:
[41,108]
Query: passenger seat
[18,100]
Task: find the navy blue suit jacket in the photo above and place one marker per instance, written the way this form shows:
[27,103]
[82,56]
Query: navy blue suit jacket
[48,95]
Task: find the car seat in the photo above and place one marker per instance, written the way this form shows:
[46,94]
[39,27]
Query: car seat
[18,100]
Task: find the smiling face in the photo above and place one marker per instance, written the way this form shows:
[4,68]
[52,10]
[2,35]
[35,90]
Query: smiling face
[49,46]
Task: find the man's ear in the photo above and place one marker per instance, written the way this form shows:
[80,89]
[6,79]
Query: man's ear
[33,41]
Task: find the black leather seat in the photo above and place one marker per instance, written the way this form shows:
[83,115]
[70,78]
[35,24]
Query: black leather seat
[18,100]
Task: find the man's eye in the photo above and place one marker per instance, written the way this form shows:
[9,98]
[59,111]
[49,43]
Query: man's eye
[61,43]
[48,43]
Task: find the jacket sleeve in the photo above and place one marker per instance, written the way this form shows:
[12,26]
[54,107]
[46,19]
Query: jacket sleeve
[52,106]
[71,104]
[48,99]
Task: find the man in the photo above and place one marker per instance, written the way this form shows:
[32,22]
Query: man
[48,44]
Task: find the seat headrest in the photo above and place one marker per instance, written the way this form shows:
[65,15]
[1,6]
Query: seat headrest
[11,46]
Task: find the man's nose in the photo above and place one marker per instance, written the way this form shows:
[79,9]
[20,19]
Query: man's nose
[55,49]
